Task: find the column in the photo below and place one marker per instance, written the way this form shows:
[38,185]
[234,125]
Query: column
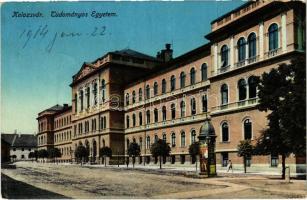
[215,58]
[79,100]
[98,93]
[231,45]
[91,95]
[84,99]
[246,53]
[261,35]
[284,32]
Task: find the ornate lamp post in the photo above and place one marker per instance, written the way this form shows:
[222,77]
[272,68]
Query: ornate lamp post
[207,149]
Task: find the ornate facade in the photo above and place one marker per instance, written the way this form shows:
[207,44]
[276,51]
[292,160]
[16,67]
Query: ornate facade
[128,96]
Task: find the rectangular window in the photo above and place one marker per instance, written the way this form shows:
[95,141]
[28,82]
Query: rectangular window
[274,160]
[224,159]
[248,161]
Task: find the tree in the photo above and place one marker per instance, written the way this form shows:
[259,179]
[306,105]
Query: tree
[105,152]
[134,150]
[245,150]
[194,151]
[54,153]
[81,153]
[35,154]
[43,153]
[14,157]
[31,155]
[160,148]
[282,93]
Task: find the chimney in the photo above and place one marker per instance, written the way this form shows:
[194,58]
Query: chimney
[166,54]
[65,105]
[15,131]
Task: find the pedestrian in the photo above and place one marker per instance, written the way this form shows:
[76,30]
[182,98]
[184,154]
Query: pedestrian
[229,166]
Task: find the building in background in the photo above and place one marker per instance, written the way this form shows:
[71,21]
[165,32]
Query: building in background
[20,145]
[127,96]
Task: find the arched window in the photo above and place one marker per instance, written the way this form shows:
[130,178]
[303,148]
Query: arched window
[224,94]
[205,103]
[148,116]
[155,88]
[141,142]
[224,56]
[127,121]
[173,110]
[133,96]
[164,137]
[225,132]
[252,86]
[95,93]
[273,37]
[241,49]
[81,99]
[193,136]
[204,75]
[242,89]
[163,86]
[140,119]
[182,80]
[88,94]
[192,76]
[156,115]
[104,122]
[147,92]
[252,45]
[163,113]
[76,104]
[127,99]
[133,120]
[173,83]
[193,106]
[148,142]
[103,90]
[140,94]
[183,139]
[156,138]
[182,109]
[173,140]
[247,129]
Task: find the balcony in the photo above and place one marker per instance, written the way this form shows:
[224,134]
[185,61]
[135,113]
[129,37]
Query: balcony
[272,53]
[166,123]
[234,106]
[169,94]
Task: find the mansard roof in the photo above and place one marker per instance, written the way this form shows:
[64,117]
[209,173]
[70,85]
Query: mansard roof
[54,110]
[133,53]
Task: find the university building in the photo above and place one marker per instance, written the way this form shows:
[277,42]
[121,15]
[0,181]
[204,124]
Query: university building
[127,96]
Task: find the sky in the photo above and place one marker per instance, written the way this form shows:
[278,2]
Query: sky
[39,55]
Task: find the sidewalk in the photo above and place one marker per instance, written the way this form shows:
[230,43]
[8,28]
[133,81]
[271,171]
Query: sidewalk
[183,169]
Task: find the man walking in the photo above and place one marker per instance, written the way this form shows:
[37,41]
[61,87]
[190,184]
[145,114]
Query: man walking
[229,166]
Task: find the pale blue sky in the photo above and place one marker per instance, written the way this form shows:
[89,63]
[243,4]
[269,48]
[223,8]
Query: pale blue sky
[33,79]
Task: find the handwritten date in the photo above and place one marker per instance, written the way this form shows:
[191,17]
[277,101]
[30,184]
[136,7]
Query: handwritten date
[43,32]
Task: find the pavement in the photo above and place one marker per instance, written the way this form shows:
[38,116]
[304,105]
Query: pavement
[47,180]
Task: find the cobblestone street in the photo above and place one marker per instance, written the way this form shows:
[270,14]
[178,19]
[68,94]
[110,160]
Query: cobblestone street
[74,181]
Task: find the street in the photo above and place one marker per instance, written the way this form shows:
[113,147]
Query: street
[37,180]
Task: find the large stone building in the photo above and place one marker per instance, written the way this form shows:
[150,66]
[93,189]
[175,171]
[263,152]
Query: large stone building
[127,96]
